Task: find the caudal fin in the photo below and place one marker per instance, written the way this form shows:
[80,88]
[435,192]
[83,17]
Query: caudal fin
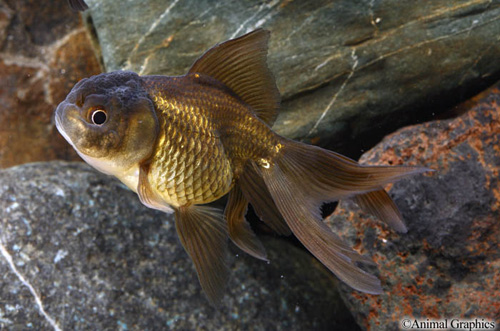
[300,178]
[328,176]
[380,204]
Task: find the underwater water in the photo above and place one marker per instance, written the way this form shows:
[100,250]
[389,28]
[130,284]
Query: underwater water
[385,82]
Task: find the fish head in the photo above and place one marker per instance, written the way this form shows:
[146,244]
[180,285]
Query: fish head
[109,120]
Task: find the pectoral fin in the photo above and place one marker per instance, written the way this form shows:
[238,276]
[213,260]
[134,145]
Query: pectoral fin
[204,236]
[147,195]
[239,230]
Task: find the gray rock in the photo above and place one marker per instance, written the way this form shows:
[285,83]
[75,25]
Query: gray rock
[79,251]
[341,66]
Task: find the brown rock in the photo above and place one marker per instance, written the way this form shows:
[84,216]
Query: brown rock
[45,51]
[448,264]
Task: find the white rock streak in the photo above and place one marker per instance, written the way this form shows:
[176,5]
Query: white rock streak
[38,301]
[5,321]
[330,104]
[148,33]
[246,21]
[259,23]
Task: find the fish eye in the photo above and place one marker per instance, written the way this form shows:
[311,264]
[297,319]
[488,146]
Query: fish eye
[99,116]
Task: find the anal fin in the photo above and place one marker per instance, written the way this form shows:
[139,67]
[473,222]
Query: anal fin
[239,230]
[255,190]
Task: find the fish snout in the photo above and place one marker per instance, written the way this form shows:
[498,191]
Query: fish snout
[67,116]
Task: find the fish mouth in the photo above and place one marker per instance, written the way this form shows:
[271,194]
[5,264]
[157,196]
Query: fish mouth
[59,120]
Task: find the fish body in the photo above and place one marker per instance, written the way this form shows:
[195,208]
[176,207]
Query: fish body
[181,142]
[206,135]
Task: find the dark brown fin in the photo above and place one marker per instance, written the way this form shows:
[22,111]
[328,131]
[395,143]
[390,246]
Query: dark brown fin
[300,178]
[240,64]
[239,230]
[325,175]
[204,236]
[380,204]
[78,5]
[147,196]
[303,217]
[255,191]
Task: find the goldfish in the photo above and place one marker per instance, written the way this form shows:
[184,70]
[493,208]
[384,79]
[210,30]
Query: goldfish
[181,142]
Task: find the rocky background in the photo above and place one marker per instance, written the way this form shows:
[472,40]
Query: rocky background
[45,50]
[341,66]
[80,252]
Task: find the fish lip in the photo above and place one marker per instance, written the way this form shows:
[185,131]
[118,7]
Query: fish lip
[61,130]
[61,112]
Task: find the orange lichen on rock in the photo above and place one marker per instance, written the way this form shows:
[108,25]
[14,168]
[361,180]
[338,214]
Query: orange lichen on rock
[447,264]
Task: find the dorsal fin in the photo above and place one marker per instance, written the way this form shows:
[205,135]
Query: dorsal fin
[240,64]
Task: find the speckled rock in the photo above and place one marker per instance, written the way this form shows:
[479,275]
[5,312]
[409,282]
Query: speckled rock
[80,252]
[44,52]
[341,66]
[448,264]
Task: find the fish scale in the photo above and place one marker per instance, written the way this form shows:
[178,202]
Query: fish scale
[190,167]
